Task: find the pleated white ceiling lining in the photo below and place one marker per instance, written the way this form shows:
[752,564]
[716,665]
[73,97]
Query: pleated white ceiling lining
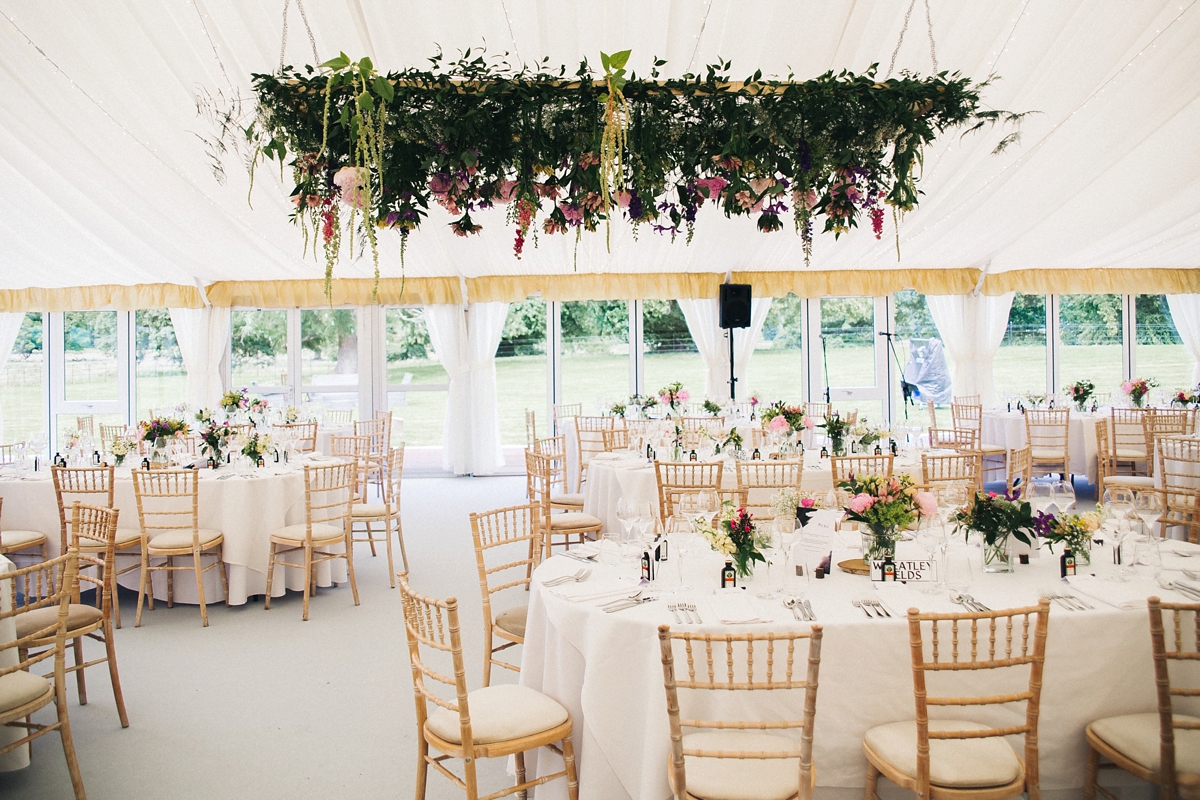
[106,182]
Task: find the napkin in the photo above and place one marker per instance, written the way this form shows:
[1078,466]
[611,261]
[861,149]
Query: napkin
[1129,596]
[586,549]
[736,607]
[603,589]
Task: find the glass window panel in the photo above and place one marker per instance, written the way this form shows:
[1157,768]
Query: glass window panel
[410,361]
[1020,364]
[22,398]
[670,353]
[775,370]
[521,371]
[912,320]
[1158,351]
[1090,327]
[329,357]
[848,324]
[258,348]
[90,355]
[595,353]
[161,377]
[68,424]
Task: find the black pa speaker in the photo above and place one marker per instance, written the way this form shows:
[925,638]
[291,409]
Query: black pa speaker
[735,305]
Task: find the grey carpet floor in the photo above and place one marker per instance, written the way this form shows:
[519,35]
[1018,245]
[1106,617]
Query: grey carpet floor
[263,705]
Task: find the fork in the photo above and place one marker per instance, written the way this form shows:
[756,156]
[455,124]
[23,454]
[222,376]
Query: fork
[674,608]
[1049,595]
[691,609]
[581,575]
[880,609]
[865,609]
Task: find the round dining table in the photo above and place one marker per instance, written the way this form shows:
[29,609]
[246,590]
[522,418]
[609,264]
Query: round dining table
[1007,429]
[247,507]
[606,668]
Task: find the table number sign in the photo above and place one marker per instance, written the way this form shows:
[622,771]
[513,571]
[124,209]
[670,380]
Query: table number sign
[904,570]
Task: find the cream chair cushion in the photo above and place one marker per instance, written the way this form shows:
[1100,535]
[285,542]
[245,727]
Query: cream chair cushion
[993,449]
[953,763]
[126,537]
[13,540]
[369,510]
[567,498]
[513,620]
[1131,454]
[1136,736]
[1136,481]
[742,778]
[79,615]
[320,533]
[499,713]
[574,519]
[1048,455]
[19,688]
[182,539]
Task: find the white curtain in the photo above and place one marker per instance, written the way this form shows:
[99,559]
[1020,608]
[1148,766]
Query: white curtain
[485,325]
[1185,311]
[448,334]
[203,336]
[972,327]
[703,321]
[10,326]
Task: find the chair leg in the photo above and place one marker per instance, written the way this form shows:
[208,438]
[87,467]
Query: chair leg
[308,578]
[487,652]
[270,577]
[80,681]
[137,621]
[470,779]
[872,781]
[371,538]
[68,742]
[115,600]
[200,587]
[1092,774]
[170,582]
[110,648]
[350,568]
[422,767]
[519,759]
[387,531]
[568,753]
[223,571]
[400,536]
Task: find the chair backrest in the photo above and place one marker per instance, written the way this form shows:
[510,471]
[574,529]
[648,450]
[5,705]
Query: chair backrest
[590,436]
[329,493]
[966,415]
[530,427]
[1179,471]
[1048,429]
[1130,434]
[1172,422]
[306,435]
[551,445]
[958,468]
[377,431]
[564,412]
[339,416]
[966,399]
[818,410]
[91,485]
[845,466]
[86,424]
[739,662]
[46,584]
[616,439]
[540,475]
[961,439]
[1009,639]
[710,424]
[394,472]
[554,448]
[95,528]
[676,478]
[1183,648]
[505,527]
[595,424]
[167,500]
[8,454]
[432,628]
[1020,468]
[933,420]
[357,449]
[641,431]
[108,434]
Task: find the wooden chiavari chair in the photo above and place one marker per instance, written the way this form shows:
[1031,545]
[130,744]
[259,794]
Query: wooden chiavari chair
[1020,470]
[306,435]
[759,478]
[507,528]
[328,498]
[970,416]
[8,454]
[1048,434]
[1179,471]
[569,523]
[108,433]
[616,439]
[697,424]
[1158,746]
[168,503]
[15,542]
[385,513]
[967,399]
[491,722]
[958,468]
[1130,440]
[818,410]
[725,758]
[677,478]
[964,440]
[530,427]
[340,416]
[1106,466]
[959,758]
[933,420]
[641,431]
[845,466]
[555,449]
[564,412]
[86,425]
[589,440]
[378,429]
[38,602]
[94,486]
[1172,422]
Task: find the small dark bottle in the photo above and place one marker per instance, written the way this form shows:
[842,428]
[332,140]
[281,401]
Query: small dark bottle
[752,416]
[1066,563]
[647,566]
[653,455]
[96,458]
[262,462]
[1051,402]
[824,452]
[756,455]
[1094,406]
[895,449]
[728,575]
[211,463]
[1010,406]
[660,548]
[276,456]
[692,456]
[878,450]
[889,569]
[57,458]
[145,463]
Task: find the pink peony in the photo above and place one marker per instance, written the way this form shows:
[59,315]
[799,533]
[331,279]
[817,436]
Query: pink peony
[861,502]
[1127,387]
[778,425]
[809,423]
[927,503]
[808,502]
[682,396]
[355,183]
[713,186]
[505,190]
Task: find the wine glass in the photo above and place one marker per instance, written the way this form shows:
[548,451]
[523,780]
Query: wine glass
[627,514]
[958,569]
[931,535]
[1040,495]
[1148,505]
[709,503]
[1062,494]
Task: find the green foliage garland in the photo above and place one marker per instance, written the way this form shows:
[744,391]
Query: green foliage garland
[577,149]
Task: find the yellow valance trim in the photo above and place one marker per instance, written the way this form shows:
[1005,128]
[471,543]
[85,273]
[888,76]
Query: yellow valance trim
[346,291]
[109,296]
[858,283]
[592,286]
[1094,281]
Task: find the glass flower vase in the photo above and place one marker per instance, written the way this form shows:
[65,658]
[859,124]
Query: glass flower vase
[837,445]
[998,555]
[879,542]
[158,453]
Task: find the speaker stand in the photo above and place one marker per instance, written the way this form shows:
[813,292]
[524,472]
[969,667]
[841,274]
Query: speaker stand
[732,377]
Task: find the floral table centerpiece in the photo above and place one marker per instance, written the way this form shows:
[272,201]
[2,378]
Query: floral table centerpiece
[214,439]
[291,415]
[235,401]
[711,408]
[159,431]
[1185,397]
[120,447]
[643,403]
[998,519]
[674,397]
[865,435]
[835,428]
[618,409]
[1137,389]
[885,506]
[791,502]
[735,536]
[256,446]
[1081,392]
[731,444]
[1073,531]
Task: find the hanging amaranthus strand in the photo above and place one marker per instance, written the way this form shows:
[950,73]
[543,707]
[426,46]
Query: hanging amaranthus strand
[615,138]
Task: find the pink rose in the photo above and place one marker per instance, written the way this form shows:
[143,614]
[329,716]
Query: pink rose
[808,502]
[927,503]
[861,502]
[683,396]
[355,185]
[778,425]
[809,423]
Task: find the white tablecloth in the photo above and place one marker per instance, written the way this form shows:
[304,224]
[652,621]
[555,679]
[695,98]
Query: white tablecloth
[606,670]
[327,432]
[246,508]
[19,758]
[1007,429]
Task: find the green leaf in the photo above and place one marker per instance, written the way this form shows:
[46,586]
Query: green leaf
[604,62]
[365,66]
[469,158]
[384,88]
[619,60]
[366,102]
[339,63]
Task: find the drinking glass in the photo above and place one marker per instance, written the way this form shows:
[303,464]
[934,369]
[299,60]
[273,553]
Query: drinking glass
[770,548]
[1148,505]
[1147,560]
[1040,496]
[1062,493]
[958,569]
[610,548]
[932,538]
[627,514]
[1119,501]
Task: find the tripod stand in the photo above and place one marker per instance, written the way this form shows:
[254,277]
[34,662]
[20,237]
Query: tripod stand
[906,388]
